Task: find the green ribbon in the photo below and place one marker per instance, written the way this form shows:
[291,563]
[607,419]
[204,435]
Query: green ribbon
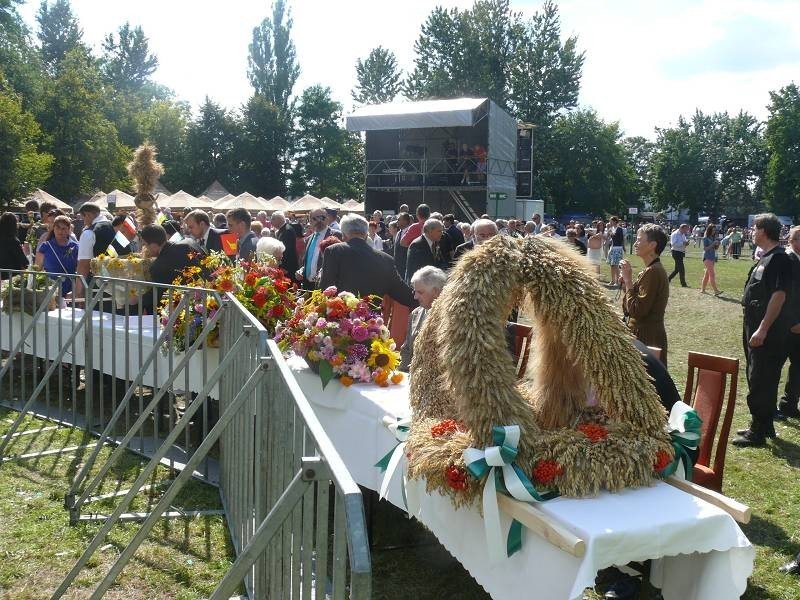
[685,429]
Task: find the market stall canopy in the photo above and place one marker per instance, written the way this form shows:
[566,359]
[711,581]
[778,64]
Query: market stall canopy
[351,203]
[353,208]
[244,200]
[458,112]
[215,191]
[307,203]
[43,196]
[330,202]
[182,200]
[219,201]
[121,200]
[204,202]
[160,189]
[278,203]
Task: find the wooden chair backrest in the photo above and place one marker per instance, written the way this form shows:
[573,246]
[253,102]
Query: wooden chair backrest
[522,347]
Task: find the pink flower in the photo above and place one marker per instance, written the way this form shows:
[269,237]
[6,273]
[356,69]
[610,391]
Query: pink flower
[329,292]
[199,308]
[321,323]
[359,333]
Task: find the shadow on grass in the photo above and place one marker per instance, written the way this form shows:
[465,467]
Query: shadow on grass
[785,450]
[762,532]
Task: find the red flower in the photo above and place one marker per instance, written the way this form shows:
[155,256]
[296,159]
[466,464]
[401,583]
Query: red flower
[593,431]
[281,285]
[446,427]
[545,471]
[226,285]
[456,477]
[250,279]
[663,459]
[276,311]
[336,308]
[259,298]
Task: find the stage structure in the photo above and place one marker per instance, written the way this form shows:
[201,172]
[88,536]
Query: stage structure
[458,156]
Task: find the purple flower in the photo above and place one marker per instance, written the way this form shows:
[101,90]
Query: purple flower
[320,323]
[345,326]
[357,352]
[199,308]
[360,333]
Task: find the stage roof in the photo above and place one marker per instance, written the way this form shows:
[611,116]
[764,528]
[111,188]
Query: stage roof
[458,112]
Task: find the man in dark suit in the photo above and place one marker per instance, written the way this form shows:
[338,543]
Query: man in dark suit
[400,251]
[482,230]
[452,231]
[425,250]
[285,233]
[308,273]
[171,258]
[239,223]
[358,268]
[199,226]
[787,406]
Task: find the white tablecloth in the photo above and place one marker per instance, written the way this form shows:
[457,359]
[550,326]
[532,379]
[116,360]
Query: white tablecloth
[120,345]
[698,550]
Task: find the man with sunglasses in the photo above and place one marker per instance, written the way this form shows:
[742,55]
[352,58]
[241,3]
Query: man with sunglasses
[308,273]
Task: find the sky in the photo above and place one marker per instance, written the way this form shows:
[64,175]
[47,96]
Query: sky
[647,61]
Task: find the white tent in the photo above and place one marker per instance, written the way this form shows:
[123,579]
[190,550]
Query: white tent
[306,204]
[351,203]
[122,199]
[180,200]
[278,203]
[353,208]
[42,196]
[330,203]
[244,200]
[219,201]
[215,191]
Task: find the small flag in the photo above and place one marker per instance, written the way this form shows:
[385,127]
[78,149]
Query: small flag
[176,237]
[122,240]
[111,251]
[230,244]
[129,226]
[161,218]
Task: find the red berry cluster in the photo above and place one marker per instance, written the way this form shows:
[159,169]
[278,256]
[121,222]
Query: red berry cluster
[663,459]
[446,427]
[593,431]
[545,471]
[456,477]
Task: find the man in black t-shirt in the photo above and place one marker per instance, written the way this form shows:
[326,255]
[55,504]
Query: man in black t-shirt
[766,323]
[787,407]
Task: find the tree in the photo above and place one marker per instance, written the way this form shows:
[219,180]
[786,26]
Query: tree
[23,167]
[272,62]
[586,167]
[264,137]
[127,63]
[59,33]
[88,153]
[210,147]
[329,159]
[19,60]
[379,78]
[782,189]
[164,124]
[639,152]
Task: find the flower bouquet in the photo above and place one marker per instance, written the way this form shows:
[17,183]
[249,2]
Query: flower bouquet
[26,292]
[131,266]
[199,306]
[341,336]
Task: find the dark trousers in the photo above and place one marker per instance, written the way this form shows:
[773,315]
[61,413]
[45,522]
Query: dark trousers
[791,391]
[764,366]
[679,268]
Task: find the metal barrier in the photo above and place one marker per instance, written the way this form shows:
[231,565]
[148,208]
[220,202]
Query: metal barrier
[294,512]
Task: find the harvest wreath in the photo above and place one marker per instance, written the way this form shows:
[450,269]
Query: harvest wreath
[470,414]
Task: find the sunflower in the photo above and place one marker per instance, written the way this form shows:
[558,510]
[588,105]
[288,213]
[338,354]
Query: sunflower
[382,356]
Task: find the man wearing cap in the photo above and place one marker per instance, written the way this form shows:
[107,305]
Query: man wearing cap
[95,239]
[332,218]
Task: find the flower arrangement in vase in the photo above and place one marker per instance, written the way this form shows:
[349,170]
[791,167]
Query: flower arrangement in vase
[341,336]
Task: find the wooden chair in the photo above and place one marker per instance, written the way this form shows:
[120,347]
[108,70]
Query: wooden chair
[523,336]
[705,392]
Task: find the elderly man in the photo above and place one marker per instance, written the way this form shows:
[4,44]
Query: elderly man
[239,223]
[482,230]
[377,218]
[199,226]
[428,283]
[308,273]
[426,250]
[356,267]
[284,233]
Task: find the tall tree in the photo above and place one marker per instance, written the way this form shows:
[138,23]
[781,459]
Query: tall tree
[88,153]
[329,159]
[19,60]
[59,32]
[783,140]
[127,63]
[210,147]
[260,148]
[378,77]
[22,166]
[586,167]
[165,124]
[272,62]
[639,152]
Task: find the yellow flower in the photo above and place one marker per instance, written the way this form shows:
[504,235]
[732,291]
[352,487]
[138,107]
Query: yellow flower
[382,356]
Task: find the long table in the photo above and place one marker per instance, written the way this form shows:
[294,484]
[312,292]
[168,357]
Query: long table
[697,550]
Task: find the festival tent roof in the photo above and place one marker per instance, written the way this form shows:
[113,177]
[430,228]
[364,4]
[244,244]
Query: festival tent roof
[219,201]
[278,203]
[244,200]
[43,196]
[307,203]
[350,203]
[215,191]
[160,189]
[458,112]
[331,203]
[354,208]
[181,199]
[123,200]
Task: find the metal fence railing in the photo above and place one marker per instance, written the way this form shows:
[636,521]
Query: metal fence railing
[216,402]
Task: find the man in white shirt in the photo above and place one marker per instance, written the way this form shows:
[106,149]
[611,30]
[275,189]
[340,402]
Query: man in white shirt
[678,241]
[95,239]
[308,273]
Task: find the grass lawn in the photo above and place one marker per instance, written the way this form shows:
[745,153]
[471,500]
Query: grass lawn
[184,559]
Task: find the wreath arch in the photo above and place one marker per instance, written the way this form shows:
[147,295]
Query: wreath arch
[461,371]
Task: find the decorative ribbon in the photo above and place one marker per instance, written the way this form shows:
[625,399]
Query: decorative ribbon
[684,427]
[388,464]
[502,474]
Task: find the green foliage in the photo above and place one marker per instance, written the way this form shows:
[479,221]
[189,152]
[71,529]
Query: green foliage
[329,159]
[783,141]
[19,60]
[263,139]
[584,166]
[378,77]
[59,33]
[210,148]
[23,167]
[164,124]
[88,153]
[272,62]
[127,63]
[639,152]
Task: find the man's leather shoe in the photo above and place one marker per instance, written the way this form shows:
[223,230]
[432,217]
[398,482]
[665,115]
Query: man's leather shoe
[769,434]
[787,412]
[792,567]
[750,439]
[624,589]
